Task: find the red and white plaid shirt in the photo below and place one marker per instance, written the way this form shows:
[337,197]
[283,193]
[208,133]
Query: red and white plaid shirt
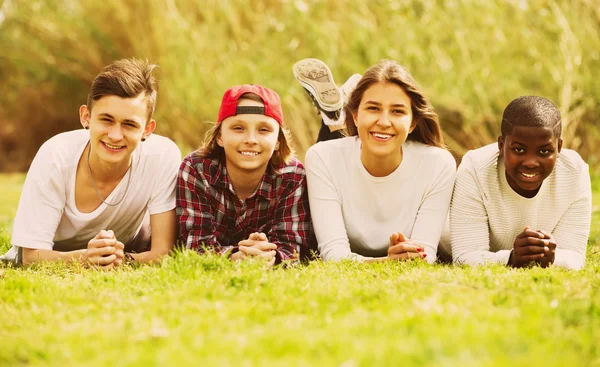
[210,215]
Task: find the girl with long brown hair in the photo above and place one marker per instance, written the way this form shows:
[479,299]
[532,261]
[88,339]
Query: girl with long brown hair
[383,191]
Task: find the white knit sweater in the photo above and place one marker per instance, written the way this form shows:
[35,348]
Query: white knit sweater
[486,214]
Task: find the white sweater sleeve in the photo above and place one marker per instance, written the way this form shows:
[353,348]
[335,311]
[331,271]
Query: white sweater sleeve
[469,227]
[433,211]
[572,231]
[326,211]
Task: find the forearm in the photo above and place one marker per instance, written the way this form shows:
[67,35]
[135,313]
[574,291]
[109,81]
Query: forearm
[340,250]
[569,259]
[479,257]
[33,256]
[375,259]
[149,257]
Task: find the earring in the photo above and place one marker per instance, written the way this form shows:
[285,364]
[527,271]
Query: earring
[143,139]
[86,127]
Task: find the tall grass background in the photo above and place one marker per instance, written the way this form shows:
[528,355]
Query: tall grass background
[471,57]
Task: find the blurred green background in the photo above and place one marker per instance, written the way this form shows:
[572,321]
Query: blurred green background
[471,57]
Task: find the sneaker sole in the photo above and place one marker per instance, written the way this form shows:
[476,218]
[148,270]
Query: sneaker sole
[314,75]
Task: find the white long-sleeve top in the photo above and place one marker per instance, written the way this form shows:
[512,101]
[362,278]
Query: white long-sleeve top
[354,213]
[486,214]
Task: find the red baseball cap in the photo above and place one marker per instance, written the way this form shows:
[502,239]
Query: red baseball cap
[229,104]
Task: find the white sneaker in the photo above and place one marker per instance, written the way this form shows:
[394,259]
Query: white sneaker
[346,89]
[316,78]
[349,86]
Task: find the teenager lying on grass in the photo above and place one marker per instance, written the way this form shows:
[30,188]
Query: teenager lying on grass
[384,191]
[95,195]
[525,200]
[243,194]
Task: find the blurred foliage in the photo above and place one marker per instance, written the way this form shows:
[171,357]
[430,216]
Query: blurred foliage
[471,57]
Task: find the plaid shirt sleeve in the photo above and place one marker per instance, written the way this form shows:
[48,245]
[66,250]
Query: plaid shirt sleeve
[291,229]
[195,217]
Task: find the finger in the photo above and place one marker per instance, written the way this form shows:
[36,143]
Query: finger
[101,252]
[533,249]
[100,234]
[532,233]
[403,247]
[103,242]
[271,262]
[266,246]
[256,236]
[250,251]
[106,234]
[538,242]
[527,232]
[401,237]
[268,255]
[119,245]
[102,260]
[119,253]
[248,242]
[394,239]
[109,242]
[414,243]
[526,241]
[546,234]
[239,255]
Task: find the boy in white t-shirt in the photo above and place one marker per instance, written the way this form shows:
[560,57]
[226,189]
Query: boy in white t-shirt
[524,200]
[104,195]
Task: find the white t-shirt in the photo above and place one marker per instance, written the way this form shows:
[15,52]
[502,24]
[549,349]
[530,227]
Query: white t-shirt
[354,213]
[486,214]
[47,217]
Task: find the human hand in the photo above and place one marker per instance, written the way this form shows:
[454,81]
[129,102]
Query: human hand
[105,251]
[256,246]
[402,248]
[532,246]
[549,256]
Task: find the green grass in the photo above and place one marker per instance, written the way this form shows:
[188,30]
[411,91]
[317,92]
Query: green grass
[203,310]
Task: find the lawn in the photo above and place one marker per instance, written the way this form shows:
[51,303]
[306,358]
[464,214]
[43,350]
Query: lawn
[194,310]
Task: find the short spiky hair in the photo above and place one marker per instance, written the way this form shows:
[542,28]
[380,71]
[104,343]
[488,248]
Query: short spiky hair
[531,111]
[125,78]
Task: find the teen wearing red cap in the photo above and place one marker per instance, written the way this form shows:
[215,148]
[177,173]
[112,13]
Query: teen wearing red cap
[243,193]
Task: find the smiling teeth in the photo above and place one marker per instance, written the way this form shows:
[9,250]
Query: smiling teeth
[113,146]
[382,136]
[249,154]
[529,175]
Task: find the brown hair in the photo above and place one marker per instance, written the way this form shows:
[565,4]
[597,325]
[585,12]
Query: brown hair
[125,78]
[427,127]
[211,149]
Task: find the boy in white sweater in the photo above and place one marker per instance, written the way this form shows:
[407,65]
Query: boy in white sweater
[524,201]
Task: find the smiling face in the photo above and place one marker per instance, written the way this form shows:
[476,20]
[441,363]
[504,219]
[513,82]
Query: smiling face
[117,126]
[383,120]
[248,140]
[529,155]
